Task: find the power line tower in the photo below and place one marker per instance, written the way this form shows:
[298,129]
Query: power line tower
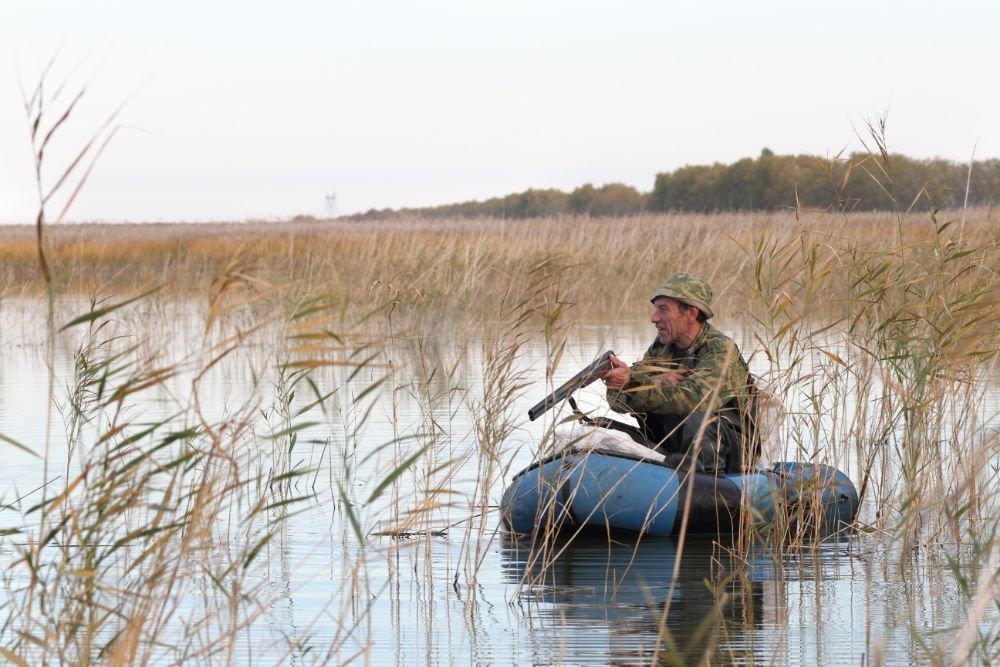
[331,205]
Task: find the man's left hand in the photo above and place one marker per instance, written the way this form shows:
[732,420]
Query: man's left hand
[617,378]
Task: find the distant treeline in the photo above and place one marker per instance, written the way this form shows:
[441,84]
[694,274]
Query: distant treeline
[859,182]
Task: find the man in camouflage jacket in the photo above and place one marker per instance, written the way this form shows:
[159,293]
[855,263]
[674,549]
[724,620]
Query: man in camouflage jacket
[689,392]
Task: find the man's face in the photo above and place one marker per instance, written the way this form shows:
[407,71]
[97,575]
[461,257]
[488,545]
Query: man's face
[671,318]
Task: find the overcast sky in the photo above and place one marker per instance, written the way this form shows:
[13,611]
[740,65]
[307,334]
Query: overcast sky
[259,109]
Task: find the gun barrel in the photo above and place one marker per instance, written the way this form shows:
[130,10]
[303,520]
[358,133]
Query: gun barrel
[581,379]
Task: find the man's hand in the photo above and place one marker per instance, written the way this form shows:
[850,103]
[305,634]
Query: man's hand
[618,377]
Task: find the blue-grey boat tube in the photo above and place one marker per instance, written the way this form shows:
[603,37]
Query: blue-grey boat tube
[591,489]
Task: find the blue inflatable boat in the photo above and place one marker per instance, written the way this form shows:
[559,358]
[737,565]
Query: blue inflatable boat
[592,489]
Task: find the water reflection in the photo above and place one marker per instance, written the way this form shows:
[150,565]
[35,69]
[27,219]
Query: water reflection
[631,601]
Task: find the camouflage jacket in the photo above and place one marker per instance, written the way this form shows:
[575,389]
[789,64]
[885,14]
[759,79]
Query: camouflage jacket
[716,379]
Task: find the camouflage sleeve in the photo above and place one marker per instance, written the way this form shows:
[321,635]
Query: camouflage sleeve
[718,369]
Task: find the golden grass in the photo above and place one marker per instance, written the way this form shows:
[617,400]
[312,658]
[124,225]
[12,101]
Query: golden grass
[459,267]
[912,297]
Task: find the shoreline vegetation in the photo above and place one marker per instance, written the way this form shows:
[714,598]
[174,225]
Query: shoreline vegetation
[457,267]
[867,181]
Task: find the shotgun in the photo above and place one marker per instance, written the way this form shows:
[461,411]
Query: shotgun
[581,379]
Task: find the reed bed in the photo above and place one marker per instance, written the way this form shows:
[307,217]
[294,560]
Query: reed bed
[877,331]
[457,267]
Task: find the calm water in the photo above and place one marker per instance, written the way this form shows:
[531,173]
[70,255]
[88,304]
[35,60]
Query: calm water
[469,593]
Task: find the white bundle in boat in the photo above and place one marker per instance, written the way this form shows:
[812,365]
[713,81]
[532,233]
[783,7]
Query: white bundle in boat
[586,437]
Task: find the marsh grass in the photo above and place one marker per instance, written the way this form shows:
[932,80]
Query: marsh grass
[890,386]
[458,268]
[166,502]
[866,407]
[166,499]
[880,351]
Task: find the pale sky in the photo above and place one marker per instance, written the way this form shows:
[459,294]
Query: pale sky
[259,109]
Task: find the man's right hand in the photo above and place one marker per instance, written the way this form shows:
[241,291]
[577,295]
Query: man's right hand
[619,375]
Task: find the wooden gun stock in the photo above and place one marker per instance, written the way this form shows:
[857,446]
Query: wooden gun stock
[581,379]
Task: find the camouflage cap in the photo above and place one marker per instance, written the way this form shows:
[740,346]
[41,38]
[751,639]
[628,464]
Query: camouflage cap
[687,288]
